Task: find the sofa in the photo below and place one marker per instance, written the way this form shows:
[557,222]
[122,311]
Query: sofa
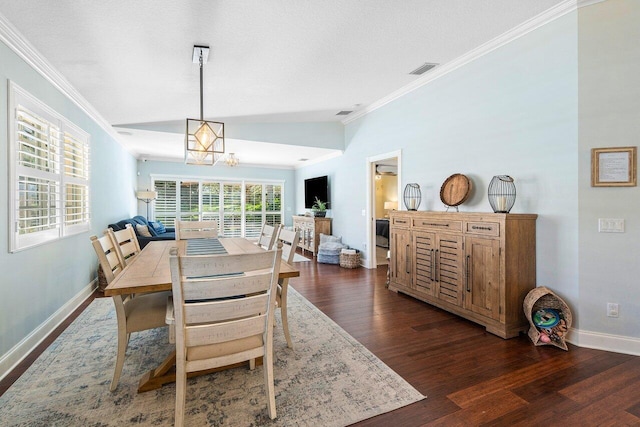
[146,231]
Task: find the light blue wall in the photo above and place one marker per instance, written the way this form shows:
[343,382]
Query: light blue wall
[609,117]
[148,168]
[38,281]
[513,111]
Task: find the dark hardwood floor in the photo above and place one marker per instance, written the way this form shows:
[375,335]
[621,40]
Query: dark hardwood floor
[469,376]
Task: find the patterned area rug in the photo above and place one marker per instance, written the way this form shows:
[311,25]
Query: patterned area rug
[328,380]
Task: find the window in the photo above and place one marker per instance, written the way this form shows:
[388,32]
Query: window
[49,173]
[239,207]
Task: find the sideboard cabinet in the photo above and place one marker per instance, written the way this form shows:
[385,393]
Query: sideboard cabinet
[477,265]
[310,229]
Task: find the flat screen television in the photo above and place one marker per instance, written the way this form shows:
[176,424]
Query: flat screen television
[316,187]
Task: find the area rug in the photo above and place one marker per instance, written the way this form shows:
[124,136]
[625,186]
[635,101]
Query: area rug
[329,379]
[300,258]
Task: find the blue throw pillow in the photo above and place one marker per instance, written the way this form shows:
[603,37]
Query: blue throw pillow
[158,227]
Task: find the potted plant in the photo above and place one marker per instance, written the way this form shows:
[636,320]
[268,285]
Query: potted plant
[319,208]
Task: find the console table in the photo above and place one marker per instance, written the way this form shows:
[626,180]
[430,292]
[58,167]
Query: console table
[310,228]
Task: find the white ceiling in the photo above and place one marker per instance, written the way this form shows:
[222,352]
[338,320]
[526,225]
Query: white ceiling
[270,60]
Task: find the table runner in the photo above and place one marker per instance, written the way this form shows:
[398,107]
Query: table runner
[205,247]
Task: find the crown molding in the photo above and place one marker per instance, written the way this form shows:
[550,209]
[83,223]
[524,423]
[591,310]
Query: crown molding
[10,36]
[526,27]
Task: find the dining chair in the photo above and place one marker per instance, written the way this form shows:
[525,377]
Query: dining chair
[125,242]
[145,311]
[196,229]
[289,241]
[268,236]
[223,314]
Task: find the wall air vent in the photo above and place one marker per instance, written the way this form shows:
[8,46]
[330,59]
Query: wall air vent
[344,113]
[423,69]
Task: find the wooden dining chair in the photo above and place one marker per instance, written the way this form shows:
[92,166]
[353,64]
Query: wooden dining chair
[268,236]
[289,241]
[125,242]
[223,311]
[145,311]
[196,229]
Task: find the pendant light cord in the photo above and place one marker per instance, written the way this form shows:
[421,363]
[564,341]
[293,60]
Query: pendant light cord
[201,98]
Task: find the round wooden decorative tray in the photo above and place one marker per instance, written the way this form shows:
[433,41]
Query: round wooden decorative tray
[455,190]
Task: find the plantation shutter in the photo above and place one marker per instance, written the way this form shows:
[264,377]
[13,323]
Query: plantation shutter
[253,209]
[49,173]
[273,204]
[165,204]
[232,210]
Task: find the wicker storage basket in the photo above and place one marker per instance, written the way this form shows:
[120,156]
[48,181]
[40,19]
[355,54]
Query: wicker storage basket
[350,260]
[102,279]
[537,301]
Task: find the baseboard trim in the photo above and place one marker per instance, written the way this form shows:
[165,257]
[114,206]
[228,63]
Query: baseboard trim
[606,342]
[21,350]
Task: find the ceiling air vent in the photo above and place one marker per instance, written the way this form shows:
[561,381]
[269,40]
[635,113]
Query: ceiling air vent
[344,113]
[423,69]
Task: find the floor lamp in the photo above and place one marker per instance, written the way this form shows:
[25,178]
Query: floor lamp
[147,196]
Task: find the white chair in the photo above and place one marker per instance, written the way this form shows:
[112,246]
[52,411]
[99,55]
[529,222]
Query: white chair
[268,236]
[196,229]
[223,311]
[146,311]
[125,242]
[289,240]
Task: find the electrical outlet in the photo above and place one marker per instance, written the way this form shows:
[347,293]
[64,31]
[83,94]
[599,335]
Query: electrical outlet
[612,309]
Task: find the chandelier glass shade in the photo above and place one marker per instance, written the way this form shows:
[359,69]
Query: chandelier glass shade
[231,160]
[204,139]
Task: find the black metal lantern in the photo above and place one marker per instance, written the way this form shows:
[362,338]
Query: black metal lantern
[502,193]
[412,197]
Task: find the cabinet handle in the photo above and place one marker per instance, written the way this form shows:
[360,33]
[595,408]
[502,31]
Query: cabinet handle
[433,267]
[477,227]
[436,262]
[468,262]
[433,224]
[407,260]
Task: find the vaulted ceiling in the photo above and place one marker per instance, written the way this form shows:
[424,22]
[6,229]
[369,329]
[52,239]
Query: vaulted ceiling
[271,61]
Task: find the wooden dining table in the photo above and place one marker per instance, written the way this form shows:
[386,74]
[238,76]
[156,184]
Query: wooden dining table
[150,272]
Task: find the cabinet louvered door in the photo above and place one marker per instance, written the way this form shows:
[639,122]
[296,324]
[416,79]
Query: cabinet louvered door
[482,282]
[424,250]
[449,274]
[401,256]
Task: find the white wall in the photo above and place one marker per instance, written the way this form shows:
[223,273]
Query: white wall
[609,93]
[40,283]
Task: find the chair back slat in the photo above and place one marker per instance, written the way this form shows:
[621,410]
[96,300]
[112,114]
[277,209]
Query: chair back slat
[217,333]
[221,310]
[268,236]
[290,240]
[126,243]
[107,256]
[236,284]
[196,229]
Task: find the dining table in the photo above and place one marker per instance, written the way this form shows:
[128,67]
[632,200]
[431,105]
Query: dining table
[149,271]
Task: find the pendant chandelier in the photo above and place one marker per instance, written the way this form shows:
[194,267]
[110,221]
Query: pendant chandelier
[204,139]
[232,160]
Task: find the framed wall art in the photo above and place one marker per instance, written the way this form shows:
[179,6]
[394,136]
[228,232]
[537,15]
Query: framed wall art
[613,167]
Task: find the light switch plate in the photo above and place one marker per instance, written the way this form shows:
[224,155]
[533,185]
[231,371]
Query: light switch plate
[610,225]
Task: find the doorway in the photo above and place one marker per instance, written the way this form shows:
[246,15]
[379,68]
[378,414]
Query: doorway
[383,182]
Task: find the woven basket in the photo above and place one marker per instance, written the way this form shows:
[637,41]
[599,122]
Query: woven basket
[102,279]
[542,298]
[350,260]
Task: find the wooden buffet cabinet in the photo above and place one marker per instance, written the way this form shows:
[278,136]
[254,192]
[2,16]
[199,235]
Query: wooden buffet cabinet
[310,228]
[477,265]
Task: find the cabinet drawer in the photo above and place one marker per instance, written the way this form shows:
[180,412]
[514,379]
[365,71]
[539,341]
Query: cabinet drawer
[483,228]
[401,221]
[437,224]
